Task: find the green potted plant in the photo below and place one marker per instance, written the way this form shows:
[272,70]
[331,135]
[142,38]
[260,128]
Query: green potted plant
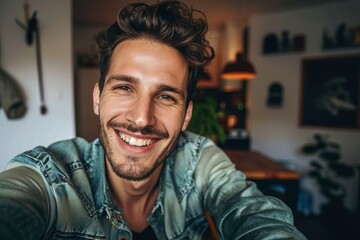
[205,120]
[327,169]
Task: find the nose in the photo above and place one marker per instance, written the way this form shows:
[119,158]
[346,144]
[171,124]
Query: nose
[142,112]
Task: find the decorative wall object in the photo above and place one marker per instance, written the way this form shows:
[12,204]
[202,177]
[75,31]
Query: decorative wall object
[285,42]
[330,92]
[343,37]
[275,95]
[271,43]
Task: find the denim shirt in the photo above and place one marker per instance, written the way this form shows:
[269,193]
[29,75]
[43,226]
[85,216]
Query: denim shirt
[61,192]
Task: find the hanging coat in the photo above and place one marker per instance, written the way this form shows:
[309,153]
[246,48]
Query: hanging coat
[11,98]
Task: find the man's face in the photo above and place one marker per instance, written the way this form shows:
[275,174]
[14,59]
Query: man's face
[142,108]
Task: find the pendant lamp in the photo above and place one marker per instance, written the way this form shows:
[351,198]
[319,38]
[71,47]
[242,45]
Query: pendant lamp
[239,70]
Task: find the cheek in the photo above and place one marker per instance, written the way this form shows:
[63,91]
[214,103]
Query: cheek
[173,120]
[111,108]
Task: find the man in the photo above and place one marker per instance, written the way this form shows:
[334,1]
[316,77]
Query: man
[146,177]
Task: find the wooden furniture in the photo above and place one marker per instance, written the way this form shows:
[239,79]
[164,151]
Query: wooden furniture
[267,174]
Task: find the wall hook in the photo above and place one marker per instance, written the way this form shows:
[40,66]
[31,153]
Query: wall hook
[32,29]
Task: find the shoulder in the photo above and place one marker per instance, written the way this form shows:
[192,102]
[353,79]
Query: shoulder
[195,153]
[58,158]
[196,148]
[198,158]
[190,141]
[55,150]
[70,150]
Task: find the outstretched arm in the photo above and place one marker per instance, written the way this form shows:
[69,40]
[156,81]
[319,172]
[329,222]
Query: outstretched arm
[239,209]
[24,204]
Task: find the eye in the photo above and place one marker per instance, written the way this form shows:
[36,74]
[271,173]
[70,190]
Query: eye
[167,98]
[122,88]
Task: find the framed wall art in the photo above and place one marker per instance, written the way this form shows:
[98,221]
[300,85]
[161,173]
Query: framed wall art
[330,95]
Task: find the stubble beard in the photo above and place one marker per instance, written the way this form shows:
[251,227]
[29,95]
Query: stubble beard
[131,168]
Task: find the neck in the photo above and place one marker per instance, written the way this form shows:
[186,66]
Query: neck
[138,194]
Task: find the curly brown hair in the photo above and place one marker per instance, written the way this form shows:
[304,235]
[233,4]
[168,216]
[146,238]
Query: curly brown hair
[169,22]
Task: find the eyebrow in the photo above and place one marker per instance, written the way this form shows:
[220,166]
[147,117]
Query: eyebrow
[125,78]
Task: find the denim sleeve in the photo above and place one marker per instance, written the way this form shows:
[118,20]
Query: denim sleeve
[239,209]
[24,204]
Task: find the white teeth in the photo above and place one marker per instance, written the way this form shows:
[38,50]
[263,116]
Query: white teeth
[132,141]
[135,142]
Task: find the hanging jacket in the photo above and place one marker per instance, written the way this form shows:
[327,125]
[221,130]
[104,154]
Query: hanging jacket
[11,98]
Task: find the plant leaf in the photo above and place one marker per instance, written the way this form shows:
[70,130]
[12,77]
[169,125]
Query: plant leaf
[334,145]
[309,149]
[330,156]
[320,141]
[342,170]
[316,165]
[314,174]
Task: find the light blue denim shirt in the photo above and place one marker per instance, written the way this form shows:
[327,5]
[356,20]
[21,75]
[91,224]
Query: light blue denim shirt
[61,192]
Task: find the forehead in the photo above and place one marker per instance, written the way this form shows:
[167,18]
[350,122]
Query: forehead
[150,60]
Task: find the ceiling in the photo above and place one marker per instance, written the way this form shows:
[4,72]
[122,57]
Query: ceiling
[103,12]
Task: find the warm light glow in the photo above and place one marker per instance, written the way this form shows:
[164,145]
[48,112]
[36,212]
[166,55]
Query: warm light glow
[238,76]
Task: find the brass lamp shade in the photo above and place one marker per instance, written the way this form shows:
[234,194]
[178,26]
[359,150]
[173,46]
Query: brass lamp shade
[239,70]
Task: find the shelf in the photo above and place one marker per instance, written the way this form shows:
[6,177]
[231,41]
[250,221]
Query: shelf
[283,53]
[341,47]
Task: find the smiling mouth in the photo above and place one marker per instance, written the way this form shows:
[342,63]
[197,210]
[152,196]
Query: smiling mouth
[138,142]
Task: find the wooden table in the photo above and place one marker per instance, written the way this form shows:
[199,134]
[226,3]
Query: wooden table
[267,173]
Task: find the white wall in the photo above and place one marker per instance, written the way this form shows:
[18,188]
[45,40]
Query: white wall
[19,59]
[276,131]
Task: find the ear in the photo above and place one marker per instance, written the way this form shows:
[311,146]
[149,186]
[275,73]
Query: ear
[187,116]
[96,99]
